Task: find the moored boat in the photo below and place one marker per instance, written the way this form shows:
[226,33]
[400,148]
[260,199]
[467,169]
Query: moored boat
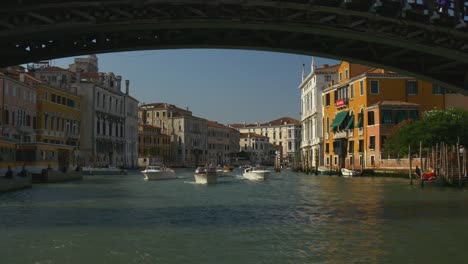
[256,173]
[326,171]
[349,173]
[228,168]
[206,175]
[158,173]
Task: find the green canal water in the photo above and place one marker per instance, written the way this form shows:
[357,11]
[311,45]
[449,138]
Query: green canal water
[292,218]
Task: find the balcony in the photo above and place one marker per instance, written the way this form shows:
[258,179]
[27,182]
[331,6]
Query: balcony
[351,133]
[340,134]
[326,136]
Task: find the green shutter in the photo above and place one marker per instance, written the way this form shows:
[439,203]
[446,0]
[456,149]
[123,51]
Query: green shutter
[350,124]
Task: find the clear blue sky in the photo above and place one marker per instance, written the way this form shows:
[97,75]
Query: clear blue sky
[228,86]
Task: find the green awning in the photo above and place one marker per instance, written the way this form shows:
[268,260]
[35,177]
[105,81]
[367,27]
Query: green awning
[350,124]
[339,118]
[359,122]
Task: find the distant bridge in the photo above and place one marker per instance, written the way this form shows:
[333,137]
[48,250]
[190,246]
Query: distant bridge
[417,40]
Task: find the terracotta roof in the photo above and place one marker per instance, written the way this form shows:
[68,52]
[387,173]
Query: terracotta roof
[252,135]
[282,120]
[216,124]
[329,68]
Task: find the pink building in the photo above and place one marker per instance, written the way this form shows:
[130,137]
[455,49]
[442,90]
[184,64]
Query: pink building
[18,104]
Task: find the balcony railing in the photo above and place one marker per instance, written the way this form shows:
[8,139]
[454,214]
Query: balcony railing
[341,134]
[326,136]
[351,133]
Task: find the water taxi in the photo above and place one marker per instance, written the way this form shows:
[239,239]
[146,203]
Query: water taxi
[158,173]
[256,173]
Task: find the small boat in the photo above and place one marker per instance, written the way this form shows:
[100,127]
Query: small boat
[219,169]
[206,175]
[158,173]
[349,173]
[256,173]
[326,171]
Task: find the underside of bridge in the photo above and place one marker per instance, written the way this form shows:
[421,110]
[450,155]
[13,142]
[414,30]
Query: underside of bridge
[348,30]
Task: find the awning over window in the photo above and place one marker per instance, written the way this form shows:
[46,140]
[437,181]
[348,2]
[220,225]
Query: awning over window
[350,124]
[339,118]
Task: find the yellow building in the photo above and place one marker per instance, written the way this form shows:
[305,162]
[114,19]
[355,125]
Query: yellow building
[59,116]
[363,107]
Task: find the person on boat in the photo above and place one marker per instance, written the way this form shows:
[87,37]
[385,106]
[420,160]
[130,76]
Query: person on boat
[9,173]
[23,172]
[418,171]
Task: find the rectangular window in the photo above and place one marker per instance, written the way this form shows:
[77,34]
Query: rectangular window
[386,117]
[401,115]
[346,74]
[411,87]
[336,160]
[14,90]
[351,91]
[370,118]
[327,148]
[372,142]
[372,160]
[351,160]
[374,87]
[351,146]
[413,115]
[7,89]
[328,160]
[361,88]
[436,89]
[53,98]
[327,99]
[341,76]
[361,145]
[34,123]
[327,78]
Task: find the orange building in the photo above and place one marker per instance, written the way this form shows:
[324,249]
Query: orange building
[363,107]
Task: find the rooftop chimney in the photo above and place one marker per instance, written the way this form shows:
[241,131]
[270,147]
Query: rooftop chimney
[127,86]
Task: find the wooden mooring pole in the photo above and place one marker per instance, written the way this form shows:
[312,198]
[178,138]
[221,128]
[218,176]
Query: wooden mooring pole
[459,167]
[420,163]
[409,158]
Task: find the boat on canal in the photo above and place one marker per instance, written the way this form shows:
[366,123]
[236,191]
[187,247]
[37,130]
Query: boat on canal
[159,173]
[206,175]
[326,171]
[256,173]
[349,173]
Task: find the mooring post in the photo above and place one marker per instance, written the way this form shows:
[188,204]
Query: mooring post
[409,158]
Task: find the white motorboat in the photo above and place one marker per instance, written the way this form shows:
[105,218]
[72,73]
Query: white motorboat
[206,175]
[256,173]
[158,173]
[103,171]
[349,173]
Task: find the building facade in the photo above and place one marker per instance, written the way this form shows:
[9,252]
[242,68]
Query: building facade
[311,89]
[131,128]
[103,139]
[258,149]
[189,145]
[221,149]
[153,146]
[285,132]
[362,108]
[18,99]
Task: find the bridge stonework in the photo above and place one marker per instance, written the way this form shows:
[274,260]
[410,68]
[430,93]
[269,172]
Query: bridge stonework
[380,33]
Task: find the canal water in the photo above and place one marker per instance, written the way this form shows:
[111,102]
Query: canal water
[292,218]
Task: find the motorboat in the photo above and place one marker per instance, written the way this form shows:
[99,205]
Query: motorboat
[206,175]
[326,171]
[103,171]
[219,169]
[158,173]
[349,173]
[256,173]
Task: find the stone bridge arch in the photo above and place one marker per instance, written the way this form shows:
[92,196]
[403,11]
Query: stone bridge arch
[380,33]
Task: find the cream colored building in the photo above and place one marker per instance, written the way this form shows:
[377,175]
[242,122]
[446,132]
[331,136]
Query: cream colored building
[285,132]
[258,148]
[311,88]
[220,148]
[189,145]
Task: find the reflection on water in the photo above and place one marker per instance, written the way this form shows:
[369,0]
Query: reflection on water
[293,218]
